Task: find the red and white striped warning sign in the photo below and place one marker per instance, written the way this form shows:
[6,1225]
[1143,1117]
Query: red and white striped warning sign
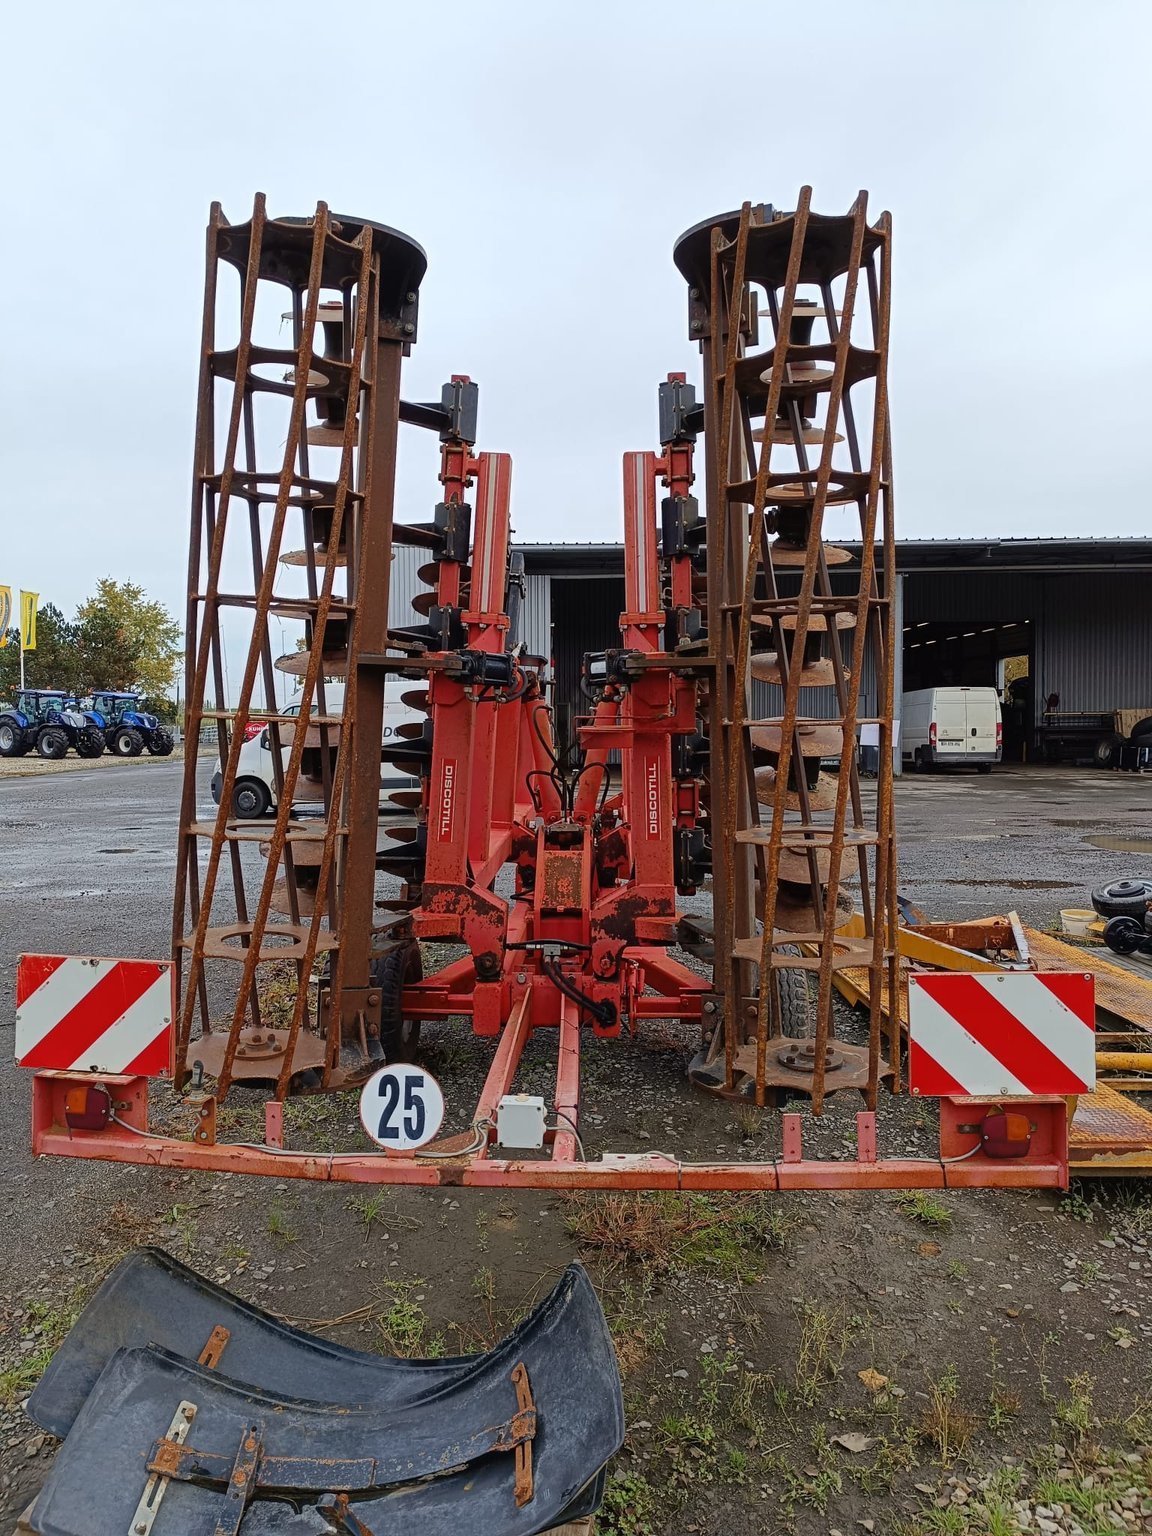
[999,1034]
[81,1014]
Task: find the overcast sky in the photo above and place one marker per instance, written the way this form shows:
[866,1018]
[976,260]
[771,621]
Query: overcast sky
[546,157]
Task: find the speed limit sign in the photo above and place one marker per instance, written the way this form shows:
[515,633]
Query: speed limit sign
[401,1107]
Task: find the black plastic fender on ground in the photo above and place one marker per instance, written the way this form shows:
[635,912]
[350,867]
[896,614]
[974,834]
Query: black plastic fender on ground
[151,1298]
[421,1462]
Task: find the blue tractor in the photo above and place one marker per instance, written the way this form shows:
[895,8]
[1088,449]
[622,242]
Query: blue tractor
[51,721]
[127,728]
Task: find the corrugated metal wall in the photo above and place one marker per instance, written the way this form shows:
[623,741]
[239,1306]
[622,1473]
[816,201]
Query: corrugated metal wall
[997,597]
[404,585]
[406,562]
[1094,640]
[1091,632]
[537,635]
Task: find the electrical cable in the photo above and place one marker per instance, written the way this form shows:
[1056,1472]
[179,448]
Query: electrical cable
[480,1129]
[479,1137]
[571,1124]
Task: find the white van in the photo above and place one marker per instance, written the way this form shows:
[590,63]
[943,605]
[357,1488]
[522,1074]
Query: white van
[254,794]
[951,727]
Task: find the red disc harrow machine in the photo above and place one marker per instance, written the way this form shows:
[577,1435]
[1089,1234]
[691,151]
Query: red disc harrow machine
[703,852]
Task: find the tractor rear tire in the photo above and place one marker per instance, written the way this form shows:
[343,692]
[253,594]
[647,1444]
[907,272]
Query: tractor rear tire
[13,740]
[89,742]
[52,743]
[1123,898]
[161,742]
[391,973]
[127,741]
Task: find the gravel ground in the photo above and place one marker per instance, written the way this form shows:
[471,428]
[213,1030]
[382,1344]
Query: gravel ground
[970,1364]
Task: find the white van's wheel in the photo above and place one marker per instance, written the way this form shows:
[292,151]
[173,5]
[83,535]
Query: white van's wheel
[250,800]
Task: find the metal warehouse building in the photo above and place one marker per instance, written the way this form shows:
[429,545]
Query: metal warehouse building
[1072,616]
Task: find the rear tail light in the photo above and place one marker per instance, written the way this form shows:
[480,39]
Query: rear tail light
[999,733]
[932,734]
[87,1108]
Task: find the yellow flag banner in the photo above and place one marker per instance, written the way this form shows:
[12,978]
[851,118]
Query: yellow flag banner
[28,602]
[5,613]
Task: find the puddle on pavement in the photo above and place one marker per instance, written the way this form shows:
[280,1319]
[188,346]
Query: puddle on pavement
[1019,885]
[1122,844]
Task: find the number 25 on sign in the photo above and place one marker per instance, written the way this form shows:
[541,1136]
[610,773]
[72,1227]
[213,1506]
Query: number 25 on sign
[401,1107]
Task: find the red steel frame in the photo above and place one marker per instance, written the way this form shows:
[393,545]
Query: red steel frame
[597,865]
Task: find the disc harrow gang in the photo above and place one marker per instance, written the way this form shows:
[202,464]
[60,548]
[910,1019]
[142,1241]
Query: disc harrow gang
[531,886]
[797,450]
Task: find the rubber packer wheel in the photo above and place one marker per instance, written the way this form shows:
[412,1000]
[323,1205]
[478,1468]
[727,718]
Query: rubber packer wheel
[391,973]
[794,997]
[1123,898]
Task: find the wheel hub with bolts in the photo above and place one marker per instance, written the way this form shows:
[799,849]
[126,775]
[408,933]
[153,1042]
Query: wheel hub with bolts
[800,1056]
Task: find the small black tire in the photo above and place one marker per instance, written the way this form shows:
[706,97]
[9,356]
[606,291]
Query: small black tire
[127,741]
[52,743]
[1142,730]
[13,739]
[983,767]
[391,973]
[251,799]
[89,742]
[1123,898]
[794,996]
[1124,935]
[1105,750]
[161,742]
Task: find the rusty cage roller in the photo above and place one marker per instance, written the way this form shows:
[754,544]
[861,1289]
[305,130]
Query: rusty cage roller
[795,429]
[265,412]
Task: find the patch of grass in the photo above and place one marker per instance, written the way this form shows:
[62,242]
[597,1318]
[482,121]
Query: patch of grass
[1003,1402]
[690,1441]
[815,1482]
[668,1232]
[1074,1205]
[956,1269]
[946,1426]
[279,1226]
[405,1326]
[637,1329]
[922,1205]
[1074,1416]
[47,1326]
[629,1508]
[825,1334]
[749,1120]
[751,1397]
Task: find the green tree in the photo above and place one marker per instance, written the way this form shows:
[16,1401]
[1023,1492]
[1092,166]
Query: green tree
[126,641]
[53,664]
